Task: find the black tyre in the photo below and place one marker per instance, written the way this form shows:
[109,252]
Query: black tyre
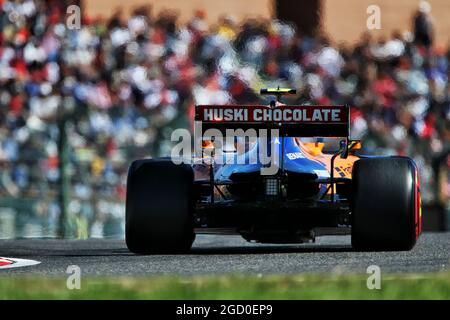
[386,204]
[159,207]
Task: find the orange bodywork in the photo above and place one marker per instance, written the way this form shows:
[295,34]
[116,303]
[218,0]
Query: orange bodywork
[342,167]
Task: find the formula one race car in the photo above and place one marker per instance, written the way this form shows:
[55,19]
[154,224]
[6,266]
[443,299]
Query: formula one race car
[311,192]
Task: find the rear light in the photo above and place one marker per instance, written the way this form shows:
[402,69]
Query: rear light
[272,187]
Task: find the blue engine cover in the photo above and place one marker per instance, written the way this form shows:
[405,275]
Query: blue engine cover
[295,160]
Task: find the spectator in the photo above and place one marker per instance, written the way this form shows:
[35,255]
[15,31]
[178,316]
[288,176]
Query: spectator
[423,25]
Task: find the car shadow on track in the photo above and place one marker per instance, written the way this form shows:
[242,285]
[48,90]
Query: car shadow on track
[122,252]
[61,248]
[267,249]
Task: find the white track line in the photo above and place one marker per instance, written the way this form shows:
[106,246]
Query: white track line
[17,263]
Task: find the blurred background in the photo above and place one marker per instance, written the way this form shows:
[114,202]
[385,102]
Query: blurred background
[78,105]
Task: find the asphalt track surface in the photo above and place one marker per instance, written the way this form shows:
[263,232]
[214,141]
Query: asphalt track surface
[223,254]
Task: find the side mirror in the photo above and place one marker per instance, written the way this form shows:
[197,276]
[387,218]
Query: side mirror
[344,147]
[354,145]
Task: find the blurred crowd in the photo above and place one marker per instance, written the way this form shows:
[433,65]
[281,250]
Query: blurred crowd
[124,84]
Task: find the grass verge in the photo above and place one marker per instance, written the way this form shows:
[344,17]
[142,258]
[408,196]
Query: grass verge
[401,286]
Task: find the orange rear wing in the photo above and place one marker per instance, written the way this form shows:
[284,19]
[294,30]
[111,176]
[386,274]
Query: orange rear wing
[291,121]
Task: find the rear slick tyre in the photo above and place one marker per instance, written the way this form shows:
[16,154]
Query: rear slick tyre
[159,207]
[386,204]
